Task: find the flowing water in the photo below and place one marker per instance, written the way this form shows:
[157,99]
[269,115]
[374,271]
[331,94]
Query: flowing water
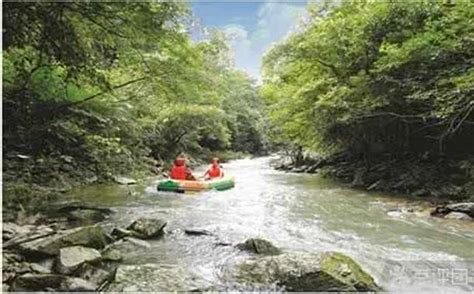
[297,212]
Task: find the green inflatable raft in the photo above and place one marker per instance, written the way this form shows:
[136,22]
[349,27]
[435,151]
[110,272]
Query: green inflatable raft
[182,186]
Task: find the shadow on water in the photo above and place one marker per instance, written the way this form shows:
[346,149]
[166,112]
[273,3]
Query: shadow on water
[297,212]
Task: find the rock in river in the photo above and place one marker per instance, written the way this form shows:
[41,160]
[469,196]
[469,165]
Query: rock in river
[156,278]
[464,207]
[148,228]
[91,236]
[458,216]
[70,258]
[124,181]
[259,246]
[329,271]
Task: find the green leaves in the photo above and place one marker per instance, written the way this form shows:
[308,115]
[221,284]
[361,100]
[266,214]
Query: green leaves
[364,74]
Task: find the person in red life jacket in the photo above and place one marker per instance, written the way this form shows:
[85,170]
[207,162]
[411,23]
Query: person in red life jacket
[179,170]
[215,170]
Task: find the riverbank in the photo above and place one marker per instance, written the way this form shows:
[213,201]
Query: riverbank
[429,176]
[432,178]
[70,249]
[30,183]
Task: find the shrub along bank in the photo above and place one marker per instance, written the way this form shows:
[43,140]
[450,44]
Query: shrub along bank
[384,91]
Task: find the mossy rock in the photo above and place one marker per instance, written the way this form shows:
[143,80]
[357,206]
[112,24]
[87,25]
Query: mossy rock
[303,272]
[259,246]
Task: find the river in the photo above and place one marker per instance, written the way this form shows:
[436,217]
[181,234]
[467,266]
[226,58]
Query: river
[297,212]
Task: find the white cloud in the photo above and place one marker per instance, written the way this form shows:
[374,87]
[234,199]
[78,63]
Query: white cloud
[275,22]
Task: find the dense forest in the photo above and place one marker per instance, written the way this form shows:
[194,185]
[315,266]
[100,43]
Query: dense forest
[383,93]
[94,90]
[384,90]
[101,101]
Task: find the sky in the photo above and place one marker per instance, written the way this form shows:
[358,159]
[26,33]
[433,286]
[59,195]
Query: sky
[251,27]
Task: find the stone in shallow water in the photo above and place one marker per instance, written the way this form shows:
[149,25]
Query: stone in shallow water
[302,272]
[124,181]
[259,246]
[125,249]
[148,228]
[111,254]
[465,207]
[156,278]
[458,216]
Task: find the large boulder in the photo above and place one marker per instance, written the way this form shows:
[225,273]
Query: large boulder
[458,216]
[259,246]
[90,236]
[464,207]
[302,272]
[155,278]
[148,228]
[70,258]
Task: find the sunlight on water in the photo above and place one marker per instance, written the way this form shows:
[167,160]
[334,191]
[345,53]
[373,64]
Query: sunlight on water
[296,212]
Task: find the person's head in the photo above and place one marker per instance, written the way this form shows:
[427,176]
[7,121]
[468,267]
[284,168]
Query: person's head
[180,160]
[215,161]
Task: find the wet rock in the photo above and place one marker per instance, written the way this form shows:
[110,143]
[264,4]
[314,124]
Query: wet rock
[156,278]
[440,211]
[300,169]
[124,248]
[70,258]
[464,207]
[10,230]
[13,265]
[197,232]
[458,216]
[93,274]
[90,236]
[148,228]
[43,267]
[111,254]
[77,285]
[302,272]
[259,246]
[120,233]
[124,181]
[395,213]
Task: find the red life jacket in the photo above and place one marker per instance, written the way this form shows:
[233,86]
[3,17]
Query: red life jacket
[178,172]
[214,171]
